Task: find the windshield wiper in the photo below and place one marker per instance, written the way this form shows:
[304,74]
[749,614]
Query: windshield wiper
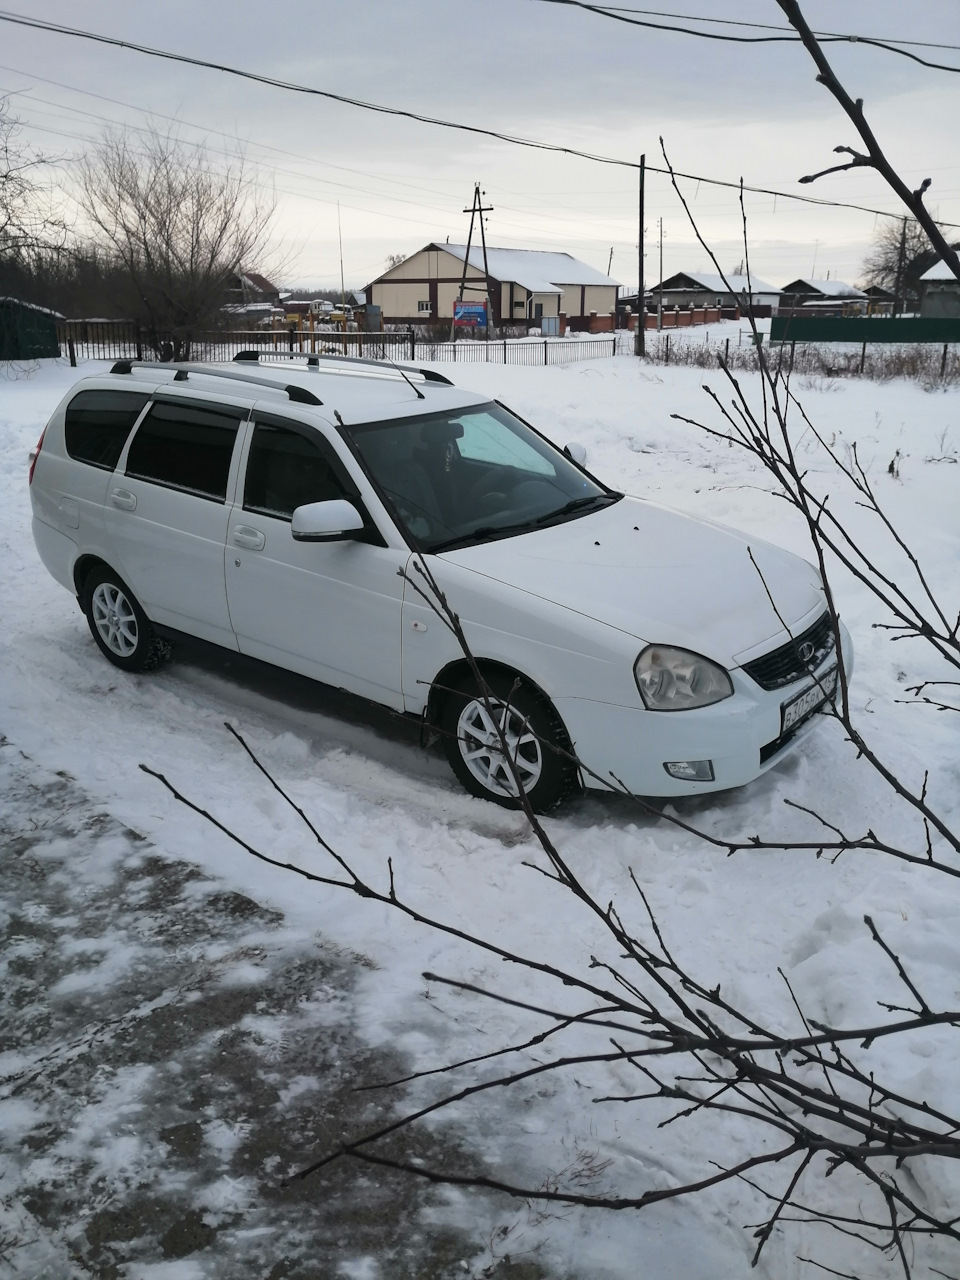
[580,504]
[478,535]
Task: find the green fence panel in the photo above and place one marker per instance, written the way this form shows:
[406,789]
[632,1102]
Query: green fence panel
[26,333]
[862,329]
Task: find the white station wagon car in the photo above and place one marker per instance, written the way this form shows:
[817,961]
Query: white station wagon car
[281,509]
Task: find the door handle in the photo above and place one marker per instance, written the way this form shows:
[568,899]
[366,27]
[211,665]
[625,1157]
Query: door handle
[124,499]
[245,536]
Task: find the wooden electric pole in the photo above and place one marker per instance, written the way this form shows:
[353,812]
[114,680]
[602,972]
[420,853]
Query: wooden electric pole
[476,210]
[640,333]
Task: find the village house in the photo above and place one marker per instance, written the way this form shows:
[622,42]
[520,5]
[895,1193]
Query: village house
[823,297]
[694,289]
[525,285]
[939,293]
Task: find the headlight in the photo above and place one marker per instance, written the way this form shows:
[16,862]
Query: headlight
[676,680]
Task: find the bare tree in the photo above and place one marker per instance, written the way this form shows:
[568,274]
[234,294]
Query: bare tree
[180,226]
[873,157]
[29,223]
[900,254]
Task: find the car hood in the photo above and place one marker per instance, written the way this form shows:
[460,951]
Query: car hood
[658,575]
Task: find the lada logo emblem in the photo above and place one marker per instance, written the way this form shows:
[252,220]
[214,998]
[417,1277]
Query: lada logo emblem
[807,650]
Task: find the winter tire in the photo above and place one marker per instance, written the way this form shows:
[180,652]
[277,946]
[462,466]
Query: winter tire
[471,728]
[121,629]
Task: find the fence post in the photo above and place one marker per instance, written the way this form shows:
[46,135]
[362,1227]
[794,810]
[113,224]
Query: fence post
[504,353]
[544,351]
[863,356]
[73,353]
[667,358]
[139,336]
[943,361]
[726,353]
[413,344]
[793,347]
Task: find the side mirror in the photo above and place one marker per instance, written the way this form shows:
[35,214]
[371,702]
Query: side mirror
[576,453]
[326,521]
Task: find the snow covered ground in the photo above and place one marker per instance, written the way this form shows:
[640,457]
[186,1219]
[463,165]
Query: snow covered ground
[373,795]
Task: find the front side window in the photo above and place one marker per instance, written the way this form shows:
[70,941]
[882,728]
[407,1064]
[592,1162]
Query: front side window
[185,446]
[287,469]
[472,475]
[98,423]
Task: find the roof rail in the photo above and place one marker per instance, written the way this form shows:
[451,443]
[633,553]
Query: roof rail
[314,362]
[298,394]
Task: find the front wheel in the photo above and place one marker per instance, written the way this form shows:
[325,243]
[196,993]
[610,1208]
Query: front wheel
[120,627]
[517,725]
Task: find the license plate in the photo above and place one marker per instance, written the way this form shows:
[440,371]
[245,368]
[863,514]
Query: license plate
[808,701]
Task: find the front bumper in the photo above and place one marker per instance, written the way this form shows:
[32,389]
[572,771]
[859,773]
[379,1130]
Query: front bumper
[742,736]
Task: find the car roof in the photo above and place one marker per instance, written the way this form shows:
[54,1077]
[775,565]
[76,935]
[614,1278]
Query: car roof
[358,390]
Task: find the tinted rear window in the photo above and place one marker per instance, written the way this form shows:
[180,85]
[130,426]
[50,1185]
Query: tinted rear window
[98,423]
[184,446]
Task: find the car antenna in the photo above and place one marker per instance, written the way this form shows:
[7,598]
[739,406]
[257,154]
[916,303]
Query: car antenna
[336,414]
[420,394]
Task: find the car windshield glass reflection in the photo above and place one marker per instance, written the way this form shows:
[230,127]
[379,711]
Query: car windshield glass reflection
[473,475]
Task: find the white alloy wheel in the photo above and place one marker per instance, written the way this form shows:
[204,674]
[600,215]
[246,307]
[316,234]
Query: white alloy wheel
[115,619]
[480,738]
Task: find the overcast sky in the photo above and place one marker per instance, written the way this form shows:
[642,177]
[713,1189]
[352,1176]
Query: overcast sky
[550,72]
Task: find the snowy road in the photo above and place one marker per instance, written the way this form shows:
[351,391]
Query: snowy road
[373,794]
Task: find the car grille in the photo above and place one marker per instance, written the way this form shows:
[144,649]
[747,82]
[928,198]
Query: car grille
[785,665]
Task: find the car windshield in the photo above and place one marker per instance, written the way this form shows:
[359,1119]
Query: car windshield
[473,475]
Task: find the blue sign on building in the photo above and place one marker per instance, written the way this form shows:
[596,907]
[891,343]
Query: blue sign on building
[470,313]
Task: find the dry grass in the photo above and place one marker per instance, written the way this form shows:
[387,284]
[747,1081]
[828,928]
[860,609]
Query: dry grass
[881,363]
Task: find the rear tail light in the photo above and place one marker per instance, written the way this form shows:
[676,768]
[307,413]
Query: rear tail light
[35,455]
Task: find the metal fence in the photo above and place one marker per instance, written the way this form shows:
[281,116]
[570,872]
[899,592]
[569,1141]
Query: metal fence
[525,351]
[123,340]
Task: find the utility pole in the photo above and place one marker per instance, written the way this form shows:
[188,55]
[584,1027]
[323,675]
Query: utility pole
[477,209]
[901,262]
[639,336]
[660,288]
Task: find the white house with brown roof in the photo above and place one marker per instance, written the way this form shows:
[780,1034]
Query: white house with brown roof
[526,285]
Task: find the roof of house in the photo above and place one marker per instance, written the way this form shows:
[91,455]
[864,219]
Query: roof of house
[32,306]
[717,284]
[537,270]
[826,288]
[259,282]
[939,271]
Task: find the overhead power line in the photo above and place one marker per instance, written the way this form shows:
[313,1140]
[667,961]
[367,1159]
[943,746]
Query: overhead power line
[620,15]
[289,86]
[769,26]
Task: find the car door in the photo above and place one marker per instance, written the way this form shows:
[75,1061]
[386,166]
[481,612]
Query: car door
[166,513]
[329,610]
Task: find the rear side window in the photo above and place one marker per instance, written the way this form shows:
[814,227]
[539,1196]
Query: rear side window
[98,423]
[285,470]
[185,446]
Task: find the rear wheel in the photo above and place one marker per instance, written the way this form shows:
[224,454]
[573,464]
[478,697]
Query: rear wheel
[483,736]
[121,629]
